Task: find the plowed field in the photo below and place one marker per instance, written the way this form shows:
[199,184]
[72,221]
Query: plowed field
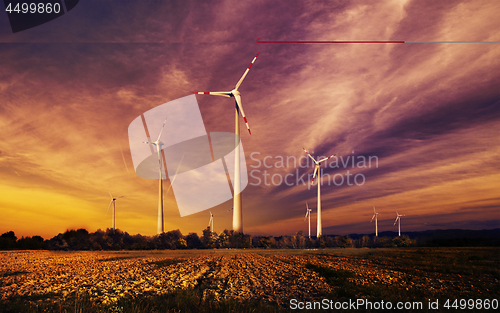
[272,276]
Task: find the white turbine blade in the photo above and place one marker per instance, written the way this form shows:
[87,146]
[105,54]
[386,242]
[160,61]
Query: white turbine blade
[315,170]
[374,210]
[326,158]
[240,107]
[161,131]
[372,218]
[214,93]
[396,220]
[307,211]
[245,74]
[109,207]
[110,194]
[309,155]
[211,219]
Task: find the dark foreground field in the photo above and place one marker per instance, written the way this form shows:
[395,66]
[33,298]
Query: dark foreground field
[251,280]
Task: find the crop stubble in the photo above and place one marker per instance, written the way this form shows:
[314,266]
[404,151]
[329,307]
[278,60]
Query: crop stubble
[106,277]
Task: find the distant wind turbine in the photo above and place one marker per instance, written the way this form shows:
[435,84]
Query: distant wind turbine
[237,212]
[308,215]
[398,220]
[317,169]
[211,222]
[114,207]
[375,217]
[158,145]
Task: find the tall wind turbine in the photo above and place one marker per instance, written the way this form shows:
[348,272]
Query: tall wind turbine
[375,217]
[317,169]
[114,207]
[237,211]
[398,220]
[308,215]
[158,145]
[211,222]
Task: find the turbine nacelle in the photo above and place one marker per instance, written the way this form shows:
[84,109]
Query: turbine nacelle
[374,215]
[308,212]
[318,163]
[234,94]
[398,217]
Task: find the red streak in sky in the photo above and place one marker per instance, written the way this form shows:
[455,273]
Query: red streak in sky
[333,41]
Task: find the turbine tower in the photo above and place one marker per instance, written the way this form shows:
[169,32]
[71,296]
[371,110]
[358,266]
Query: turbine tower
[319,230]
[113,203]
[308,215]
[237,210]
[398,220]
[211,222]
[158,145]
[375,217]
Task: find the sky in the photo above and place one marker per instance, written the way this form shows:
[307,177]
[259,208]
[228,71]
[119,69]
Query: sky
[427,115]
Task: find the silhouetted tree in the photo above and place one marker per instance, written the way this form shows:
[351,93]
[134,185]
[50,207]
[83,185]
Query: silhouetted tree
[208,239]
[141,243]
[168,240]
[193,241]
[57,243]
[265,242]
[181,243]
[403,241]
[8,241]
[300,240]
[77,239]
[223,239]
[30,243]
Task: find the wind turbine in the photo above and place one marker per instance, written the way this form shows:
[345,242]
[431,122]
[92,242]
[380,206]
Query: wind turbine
[398,220]
[113,203]
[319,230]
[158,145]
[237,212]
[375,217]
[308,214]
[211,222]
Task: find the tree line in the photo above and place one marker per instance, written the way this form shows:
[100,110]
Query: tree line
[81,239]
